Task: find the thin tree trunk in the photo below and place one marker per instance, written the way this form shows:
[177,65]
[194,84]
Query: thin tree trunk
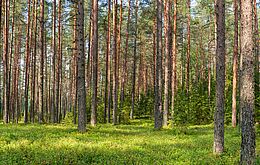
[220,78]
[257,59]
[41,99]
[11,100]
[209,62]
[53,109]
[134,62]
[17,73]
[235,66]
[75,70]
[27,64]
[174,57]
[124,74]
[95,63]
[59,65]
[115,73]
[119,48]
[167,28]
[6,64]
[154,60]
[81,89]
[32,106]
[158,85]
[188,50]
[247,98]
[107,83]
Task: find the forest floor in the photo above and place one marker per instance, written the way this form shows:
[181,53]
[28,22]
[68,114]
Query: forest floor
[136,143]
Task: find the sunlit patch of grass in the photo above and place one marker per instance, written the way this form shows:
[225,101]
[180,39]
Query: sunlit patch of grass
[136,143]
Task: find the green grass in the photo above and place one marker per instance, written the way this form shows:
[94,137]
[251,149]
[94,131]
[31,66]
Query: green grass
[137,143]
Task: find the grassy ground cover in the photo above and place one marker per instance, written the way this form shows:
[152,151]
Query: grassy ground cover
[136,143]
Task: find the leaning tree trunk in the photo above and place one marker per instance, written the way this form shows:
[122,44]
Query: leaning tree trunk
[220,78]
[247,99]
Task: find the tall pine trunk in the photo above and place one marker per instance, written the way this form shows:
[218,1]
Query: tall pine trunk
[27,64]
[107,83]
[95,63]
[235,66]
[188,50]
[134,63]
[247,99]
[174,57]
[81,89]
[167,28]
[220,78]
[53,109]
[41,98]
[115,56]
[158,81]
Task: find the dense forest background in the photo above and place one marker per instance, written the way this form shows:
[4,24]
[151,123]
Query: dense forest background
[51,72]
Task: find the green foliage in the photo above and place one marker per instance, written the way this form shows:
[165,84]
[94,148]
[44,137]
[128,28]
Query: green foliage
[136,143]
[68,120]
[124,117]
[145,105]
[195,109]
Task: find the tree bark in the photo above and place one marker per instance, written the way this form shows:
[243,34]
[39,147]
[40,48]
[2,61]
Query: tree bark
[115,73]
[158,82]
[58,66]
[167,29]
[220,78]
[124,74]
[41,98]
[53,109]
[27,64]
[134,62]
[188,50]
[247,99]
[107,83]
[174,57]
[235,66]
[95,63]
[257,59]
[81,90]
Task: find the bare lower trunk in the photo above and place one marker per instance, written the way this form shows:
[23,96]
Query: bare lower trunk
[235,65]
[81,90]
[167,11]
[158,82]
[95,63]
[220,78]
[247,99]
